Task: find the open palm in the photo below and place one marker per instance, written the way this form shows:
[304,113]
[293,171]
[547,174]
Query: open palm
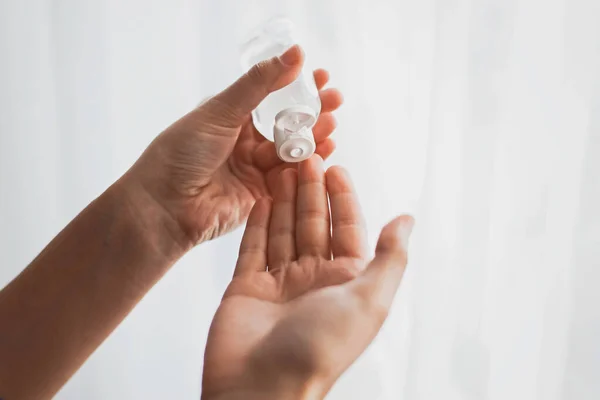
[300,303]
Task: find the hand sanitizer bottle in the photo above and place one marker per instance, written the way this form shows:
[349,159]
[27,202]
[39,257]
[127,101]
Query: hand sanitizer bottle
[288,115]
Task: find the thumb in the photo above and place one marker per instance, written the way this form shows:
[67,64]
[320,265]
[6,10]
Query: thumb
[267,76]
[380,281]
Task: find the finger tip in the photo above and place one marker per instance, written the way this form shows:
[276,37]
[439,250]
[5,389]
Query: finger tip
[404,220]
[285,188]
[316,160]
[287,173]
[322,72]
[299,49]
[293,56]
[400,227]
[326,148]
[331,99]
[313,160]
[337,98]
[325,126]
[407,219]
[329,121]
[336,171]
[321,77]
[331,144]
[338,180]
[311,168]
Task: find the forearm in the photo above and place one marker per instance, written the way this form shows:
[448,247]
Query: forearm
[82,285]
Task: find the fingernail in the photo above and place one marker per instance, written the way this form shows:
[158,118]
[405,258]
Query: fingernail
[292,56]
[405,229]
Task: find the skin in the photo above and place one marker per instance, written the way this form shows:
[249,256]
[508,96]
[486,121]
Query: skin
[197,180]
[304,301]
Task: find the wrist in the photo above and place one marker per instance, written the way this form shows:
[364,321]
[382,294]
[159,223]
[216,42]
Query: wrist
[276,388]
[182,208]
[262,394]
[154,225]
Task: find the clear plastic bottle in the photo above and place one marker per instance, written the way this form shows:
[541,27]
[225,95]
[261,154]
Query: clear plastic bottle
[288,115]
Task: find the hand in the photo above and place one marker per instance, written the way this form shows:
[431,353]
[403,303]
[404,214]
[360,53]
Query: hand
[208,168]
[303,303]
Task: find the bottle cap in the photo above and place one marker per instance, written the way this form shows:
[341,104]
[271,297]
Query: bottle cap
[294,140]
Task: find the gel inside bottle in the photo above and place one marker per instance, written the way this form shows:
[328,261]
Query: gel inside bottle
[289,114]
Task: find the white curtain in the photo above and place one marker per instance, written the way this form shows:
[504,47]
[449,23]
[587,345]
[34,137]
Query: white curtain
[480,117]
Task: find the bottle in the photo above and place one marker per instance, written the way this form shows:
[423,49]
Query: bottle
[288,114]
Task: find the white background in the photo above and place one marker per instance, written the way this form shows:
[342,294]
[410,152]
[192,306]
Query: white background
[481,117]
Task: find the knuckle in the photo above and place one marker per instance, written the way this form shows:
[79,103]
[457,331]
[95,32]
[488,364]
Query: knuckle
[308,249]
[390,244]
[349,272]
[258,74]
[346,221]
[282,230]
[312,214]
[392,260]
[251,248]
[348,250]
[219,112]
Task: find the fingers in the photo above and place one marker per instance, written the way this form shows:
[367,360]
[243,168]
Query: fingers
[380,281]
[282,230]
[348,233]
[321,78]
[312,210]
[265,157]
[331,100]
[272,176]
[324,127]
[253,250]
[247,92]
[325,148]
